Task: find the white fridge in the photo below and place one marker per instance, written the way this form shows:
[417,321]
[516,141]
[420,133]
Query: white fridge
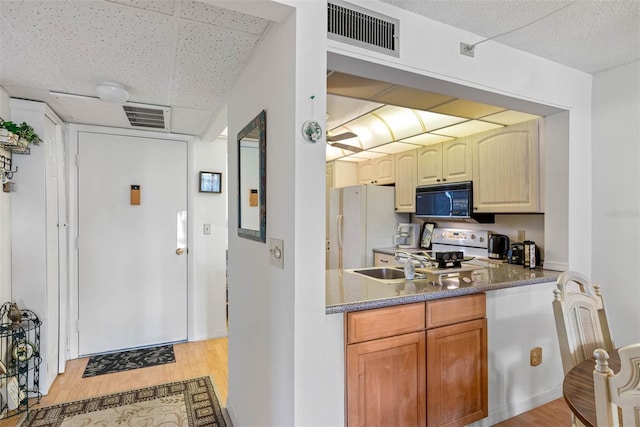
[361,218]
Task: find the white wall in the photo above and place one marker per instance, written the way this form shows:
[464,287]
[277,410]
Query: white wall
[616,198]
[5,216]
[208,314]
[261,297]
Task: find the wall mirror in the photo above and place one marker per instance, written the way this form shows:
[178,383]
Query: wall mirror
[252,176]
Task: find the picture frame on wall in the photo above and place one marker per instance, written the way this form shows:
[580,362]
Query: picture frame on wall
[210,182]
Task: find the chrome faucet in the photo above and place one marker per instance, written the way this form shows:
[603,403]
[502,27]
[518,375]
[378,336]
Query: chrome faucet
[411,257]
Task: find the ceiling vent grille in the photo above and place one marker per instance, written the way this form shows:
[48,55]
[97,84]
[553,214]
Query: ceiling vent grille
[148,117]
[361,27]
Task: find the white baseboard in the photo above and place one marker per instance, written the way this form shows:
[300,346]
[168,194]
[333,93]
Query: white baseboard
[217,333]
[511,410]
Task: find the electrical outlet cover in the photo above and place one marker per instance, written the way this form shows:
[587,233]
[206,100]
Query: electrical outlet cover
[276,252]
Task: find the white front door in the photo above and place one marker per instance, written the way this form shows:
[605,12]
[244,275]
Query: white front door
[132,280]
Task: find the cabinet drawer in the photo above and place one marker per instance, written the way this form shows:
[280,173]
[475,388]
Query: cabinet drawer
[384,322]
[382,260]
[448,311]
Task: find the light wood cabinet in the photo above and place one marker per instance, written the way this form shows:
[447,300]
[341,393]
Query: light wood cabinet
[457,374]
[386,370]
[420,364]
[450,161]
[506,176]
[341,173]
[379,171]
[383,260]
[406,176]
[387,382]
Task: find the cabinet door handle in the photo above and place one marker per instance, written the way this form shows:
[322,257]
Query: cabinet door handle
[384,261]
[444,179]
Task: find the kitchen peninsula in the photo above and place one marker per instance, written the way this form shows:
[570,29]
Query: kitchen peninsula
[348,291]
[424,351]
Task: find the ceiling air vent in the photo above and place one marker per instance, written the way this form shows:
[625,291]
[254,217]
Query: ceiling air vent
[143,116]
[363,28]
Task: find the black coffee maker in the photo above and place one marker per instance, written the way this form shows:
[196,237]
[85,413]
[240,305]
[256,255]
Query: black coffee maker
[498,246]
[516,253]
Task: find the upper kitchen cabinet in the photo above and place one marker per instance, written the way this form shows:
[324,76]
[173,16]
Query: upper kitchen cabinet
[342,174]
[379,171]
[506,176]
[406,165]
[450,161]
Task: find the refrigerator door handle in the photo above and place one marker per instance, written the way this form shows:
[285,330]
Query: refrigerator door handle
[340,223]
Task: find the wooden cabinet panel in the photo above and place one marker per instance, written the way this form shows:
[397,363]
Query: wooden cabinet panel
[457,374]
[430,164]
[506,169]
[384,322]
[383,260]
[379,171]
[406,176]
[386,382]
[457,164]
[385,170]
[448,311]
[366,173]
[449,161]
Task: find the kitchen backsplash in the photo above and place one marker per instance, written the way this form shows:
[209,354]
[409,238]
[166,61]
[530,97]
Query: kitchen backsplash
[532,224]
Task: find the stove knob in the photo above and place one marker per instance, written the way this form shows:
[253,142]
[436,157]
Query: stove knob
[481,239]
[473,237]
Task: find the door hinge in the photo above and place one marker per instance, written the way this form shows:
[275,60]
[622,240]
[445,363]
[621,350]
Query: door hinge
[77,243]
[77,325]
[77,159]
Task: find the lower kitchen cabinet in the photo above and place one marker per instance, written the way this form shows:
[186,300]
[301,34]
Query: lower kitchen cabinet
[457,374]
[419,364]
[387,382]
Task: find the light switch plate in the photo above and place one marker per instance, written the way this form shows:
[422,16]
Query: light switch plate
[206,228]
[276,252]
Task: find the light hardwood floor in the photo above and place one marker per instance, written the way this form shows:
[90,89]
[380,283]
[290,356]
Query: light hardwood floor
[210,358]
[193,360]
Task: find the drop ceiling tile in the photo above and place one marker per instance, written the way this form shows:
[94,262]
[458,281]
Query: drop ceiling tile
[210,14]
[105,41]
[468,109]
[402,122]
[160,6]
[412,98]
[467,128]
[427,139]
[509,117]
[393,148]
[365,155]
[22,67]
[334,153]
[370,130]
[341,109]
[353,86]
[190,121]
[208,60]
[433,121]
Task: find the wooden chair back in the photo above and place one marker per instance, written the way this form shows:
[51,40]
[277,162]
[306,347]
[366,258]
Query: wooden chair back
[581,321]
[621,390]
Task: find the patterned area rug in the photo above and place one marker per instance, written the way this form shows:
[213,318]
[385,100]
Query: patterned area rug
[190,403]
[127,360]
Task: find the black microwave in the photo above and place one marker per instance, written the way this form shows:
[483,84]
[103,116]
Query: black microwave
[453,200]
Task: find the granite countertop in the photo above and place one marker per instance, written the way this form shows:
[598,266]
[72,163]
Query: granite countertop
[349,291]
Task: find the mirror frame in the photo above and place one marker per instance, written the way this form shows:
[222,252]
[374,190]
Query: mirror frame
[260,122]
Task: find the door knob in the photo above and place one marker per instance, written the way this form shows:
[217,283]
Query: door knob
[179,251]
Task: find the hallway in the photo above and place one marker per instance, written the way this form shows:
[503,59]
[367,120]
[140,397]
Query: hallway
[194,359]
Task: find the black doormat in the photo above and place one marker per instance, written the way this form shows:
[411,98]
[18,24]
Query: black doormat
[127,360]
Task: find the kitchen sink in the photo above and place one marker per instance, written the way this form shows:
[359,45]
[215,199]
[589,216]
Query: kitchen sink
[384,273]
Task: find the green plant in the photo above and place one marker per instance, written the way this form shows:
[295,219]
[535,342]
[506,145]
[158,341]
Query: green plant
[23,130]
